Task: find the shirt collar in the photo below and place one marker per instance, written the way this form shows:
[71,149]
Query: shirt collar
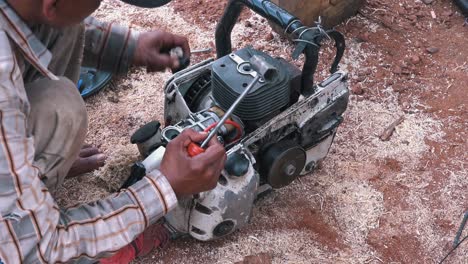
[20,33]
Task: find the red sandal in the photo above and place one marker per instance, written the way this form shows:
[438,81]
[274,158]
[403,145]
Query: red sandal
[153,237]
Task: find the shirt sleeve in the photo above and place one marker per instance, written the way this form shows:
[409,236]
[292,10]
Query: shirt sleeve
[33,229]
[109,47]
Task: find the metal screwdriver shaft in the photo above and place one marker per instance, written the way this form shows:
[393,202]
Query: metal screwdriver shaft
[229,112]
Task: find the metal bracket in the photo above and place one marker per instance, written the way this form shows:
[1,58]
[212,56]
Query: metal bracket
[244,67]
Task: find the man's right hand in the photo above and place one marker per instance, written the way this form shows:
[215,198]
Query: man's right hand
[188,175]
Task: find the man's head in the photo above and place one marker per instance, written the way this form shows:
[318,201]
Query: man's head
[61,13]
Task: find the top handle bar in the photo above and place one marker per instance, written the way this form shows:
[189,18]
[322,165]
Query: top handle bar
[308,39]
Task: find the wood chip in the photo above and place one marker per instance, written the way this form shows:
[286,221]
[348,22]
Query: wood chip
[432,50]
[262,258]
[388,132]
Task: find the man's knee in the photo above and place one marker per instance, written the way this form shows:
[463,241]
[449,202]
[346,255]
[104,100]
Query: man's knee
[54,99]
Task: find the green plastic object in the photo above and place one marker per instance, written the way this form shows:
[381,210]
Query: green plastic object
[92,81]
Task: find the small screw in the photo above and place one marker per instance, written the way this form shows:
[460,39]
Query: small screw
[310,166]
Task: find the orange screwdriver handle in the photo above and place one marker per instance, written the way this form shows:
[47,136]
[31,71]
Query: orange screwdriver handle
[194,150]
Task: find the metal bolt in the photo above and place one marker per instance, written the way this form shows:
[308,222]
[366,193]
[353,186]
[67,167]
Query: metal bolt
[309,167]
[171,97]
[290,169]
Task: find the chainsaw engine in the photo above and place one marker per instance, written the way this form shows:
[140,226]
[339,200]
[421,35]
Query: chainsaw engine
[282,129]
[230,76]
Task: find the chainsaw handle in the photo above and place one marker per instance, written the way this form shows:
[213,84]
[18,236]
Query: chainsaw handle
[291,25]
[232,12]
[463,5]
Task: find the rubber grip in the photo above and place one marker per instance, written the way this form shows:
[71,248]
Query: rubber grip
[194,149]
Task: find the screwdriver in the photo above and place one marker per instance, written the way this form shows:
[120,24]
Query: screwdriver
[265,71]
[193,148]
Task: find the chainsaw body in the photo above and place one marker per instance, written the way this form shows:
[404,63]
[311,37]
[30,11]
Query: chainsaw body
[283,129]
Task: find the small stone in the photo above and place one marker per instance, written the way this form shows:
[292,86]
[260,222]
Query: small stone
[357,90]
[421,14]
[415,59]
[432,50]
[447,13]
[399,88]
[428,2]
[364,37]
[113,99]
[269,37]
[397,70]
[412,17]
[360,78]
[401,10]
[419,27]
[417,44]
[406,71]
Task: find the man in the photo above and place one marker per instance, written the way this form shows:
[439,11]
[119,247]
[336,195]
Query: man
[43,125]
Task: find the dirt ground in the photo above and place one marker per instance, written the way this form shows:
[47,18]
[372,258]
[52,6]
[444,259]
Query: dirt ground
[372,201]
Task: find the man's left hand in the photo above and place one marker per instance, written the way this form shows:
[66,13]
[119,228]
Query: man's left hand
[153,50]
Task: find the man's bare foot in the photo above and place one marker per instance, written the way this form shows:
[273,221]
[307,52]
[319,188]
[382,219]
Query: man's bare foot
[90,159]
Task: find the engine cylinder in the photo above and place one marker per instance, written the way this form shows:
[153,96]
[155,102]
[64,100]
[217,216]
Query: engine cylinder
[232,74]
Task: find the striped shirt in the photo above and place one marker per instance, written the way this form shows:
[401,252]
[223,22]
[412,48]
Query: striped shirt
[33,229]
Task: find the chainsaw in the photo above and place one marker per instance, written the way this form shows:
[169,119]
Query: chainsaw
[275,122]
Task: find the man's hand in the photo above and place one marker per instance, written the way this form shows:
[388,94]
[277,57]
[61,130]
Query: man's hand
[153,49]
[192,175]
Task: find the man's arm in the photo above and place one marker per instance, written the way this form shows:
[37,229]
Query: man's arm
[32,227]
[115,48]
[109,47]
